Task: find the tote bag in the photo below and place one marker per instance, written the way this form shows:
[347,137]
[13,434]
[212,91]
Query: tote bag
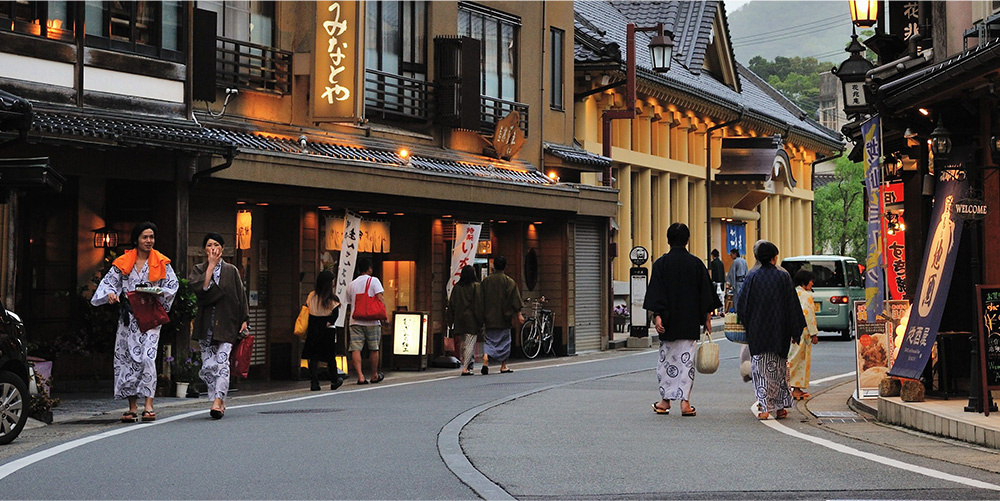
[241,357]
[367,307]
[147,310]
[302,322]
[707,359]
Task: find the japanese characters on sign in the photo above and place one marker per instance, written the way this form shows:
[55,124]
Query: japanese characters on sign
[348,259]
[466,243]
[904,18]
[988,306]
[336,62]
[874,280]
[894,254]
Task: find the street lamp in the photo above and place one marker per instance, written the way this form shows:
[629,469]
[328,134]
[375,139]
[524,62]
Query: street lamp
[940,140]
[852,78]
[661,53]
[864,13]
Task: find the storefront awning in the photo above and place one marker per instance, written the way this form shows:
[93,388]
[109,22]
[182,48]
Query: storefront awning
[29,173]
[576,157]
[754,159]
[953,76]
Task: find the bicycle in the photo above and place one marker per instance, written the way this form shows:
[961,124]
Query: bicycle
[536,333]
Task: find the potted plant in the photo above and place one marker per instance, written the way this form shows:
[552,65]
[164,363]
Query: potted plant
[184,370]
[621,317]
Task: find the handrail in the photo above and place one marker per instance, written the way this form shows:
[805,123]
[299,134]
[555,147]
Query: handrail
[251,66]
[391,94]
[492,109]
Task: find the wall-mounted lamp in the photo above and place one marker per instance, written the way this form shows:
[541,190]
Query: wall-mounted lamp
[893,223]
[995,149]
[940,140]
[244,226]
[553,176]
[105,238]
[404,155]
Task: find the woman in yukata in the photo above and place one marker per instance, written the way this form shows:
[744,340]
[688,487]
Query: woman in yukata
[221,321]
[135,350]
[771,313]
[800,356]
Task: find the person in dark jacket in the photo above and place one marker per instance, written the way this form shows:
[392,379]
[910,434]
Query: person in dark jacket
[321,333]
[718,272]
[501,303]
[769,309]
[221,321]
[465,314]
[681,298]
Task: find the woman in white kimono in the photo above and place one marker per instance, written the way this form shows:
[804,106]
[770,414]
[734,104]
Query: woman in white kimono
[800,355]
[135,350]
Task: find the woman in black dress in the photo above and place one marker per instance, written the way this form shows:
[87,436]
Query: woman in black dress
[321,335]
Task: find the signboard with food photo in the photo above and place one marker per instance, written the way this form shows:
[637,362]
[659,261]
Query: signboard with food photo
[872,352]
[988,306]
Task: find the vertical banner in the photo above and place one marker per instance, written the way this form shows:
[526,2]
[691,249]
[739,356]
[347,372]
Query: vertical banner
[871,131]
[894,254]
[736,238]
[466,243]
[348,259]
[935,277]
[336,65]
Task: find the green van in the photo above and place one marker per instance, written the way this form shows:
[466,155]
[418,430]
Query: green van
[837,285]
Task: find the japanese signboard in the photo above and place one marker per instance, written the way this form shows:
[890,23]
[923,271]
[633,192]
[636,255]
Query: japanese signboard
[935,277]
[894,254]
[904,18]
[736,237]
[336,64]
[872,346]
[464,251]
[988,307]
[348,259]
[409,339]
[871,131]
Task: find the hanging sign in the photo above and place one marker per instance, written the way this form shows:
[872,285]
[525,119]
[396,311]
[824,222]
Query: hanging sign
[336,66]
[971,208]
[736,238]
[871,131]
[348,259]
[508,138]
[935,277]
[466,243]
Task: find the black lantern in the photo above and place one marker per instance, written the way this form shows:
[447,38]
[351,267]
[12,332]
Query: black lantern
[940,140]
[105,238]
[864,13]
[852,77]
[995,149]
[661,50]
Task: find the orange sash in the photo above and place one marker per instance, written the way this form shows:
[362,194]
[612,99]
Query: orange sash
[157,264]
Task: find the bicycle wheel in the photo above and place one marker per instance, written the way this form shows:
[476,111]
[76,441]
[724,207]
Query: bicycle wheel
[547,336]
[530,344]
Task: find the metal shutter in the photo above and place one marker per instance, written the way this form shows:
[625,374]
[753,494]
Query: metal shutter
[588,272]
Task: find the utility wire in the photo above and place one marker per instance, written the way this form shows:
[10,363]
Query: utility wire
[789,34]
[778,32]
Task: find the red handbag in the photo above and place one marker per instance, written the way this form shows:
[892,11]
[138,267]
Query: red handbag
[241,356]
[147,310]
[367,307]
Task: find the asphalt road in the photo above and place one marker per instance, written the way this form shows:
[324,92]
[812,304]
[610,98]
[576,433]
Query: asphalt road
[577,428]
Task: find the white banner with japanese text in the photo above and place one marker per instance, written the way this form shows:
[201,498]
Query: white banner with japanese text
[348,258]
[466,242]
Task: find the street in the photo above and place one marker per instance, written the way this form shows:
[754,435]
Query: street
[576,428]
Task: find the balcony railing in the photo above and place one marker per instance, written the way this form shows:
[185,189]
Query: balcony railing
[250,66]
[493,109]
[388,95]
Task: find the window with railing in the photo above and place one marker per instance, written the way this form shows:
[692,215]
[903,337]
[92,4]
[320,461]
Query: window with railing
[396,60]
[153,29]
[498,34]
[245,65]
[53,20]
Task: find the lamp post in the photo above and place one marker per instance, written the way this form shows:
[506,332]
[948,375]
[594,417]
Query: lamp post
[661,52]
[852,78]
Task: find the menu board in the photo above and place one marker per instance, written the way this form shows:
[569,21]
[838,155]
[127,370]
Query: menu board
[988,306]
[873,351]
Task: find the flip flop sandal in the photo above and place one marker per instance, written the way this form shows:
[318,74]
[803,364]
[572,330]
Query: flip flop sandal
[363,382]
[148,416]
[379,378]
[485,370]
[782,414]
[660,410]
[763,416]
[217,413]
[506,371]
[692,413]
[130,417]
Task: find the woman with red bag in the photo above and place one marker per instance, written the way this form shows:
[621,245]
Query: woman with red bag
[221,321]
[135,349]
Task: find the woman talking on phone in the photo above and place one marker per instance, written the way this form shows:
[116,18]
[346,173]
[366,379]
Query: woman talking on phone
[221,320]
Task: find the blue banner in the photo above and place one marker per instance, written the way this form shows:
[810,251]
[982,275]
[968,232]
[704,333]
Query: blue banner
[871,131]
[736,238]
[935,277]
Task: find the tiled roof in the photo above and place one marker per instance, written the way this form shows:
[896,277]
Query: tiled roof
[187,136]
[976,61]
[576,155]
[752,158]
[600,28]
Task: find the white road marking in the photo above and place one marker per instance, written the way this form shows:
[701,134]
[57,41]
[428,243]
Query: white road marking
[833,378]
[829,444]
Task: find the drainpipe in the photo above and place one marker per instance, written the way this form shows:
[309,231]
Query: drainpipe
[229,156]
[629,111]
[812,186]
[708,172]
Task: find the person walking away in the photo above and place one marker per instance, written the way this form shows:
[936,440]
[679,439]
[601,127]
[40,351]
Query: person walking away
[681,298]
[737,272]
[365,332]
[772,316]
[800,355]
[221,321]
[135,350]
[321,334]
[718,272]
[465,314]
[501,302]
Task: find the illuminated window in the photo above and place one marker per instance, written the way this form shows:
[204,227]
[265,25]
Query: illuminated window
[54,20]
[149,28]
[498,33]
[399,279]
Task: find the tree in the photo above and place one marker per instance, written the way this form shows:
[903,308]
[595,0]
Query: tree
[796,78]
[840,223]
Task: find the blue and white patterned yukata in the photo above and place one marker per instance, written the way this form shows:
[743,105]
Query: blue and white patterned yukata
[675,370]
[135,351]
[215,356]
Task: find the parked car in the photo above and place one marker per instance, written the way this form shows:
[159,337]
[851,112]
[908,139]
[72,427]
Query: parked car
[14,377]
[837,284]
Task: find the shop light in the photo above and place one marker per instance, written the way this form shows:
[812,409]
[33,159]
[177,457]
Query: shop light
[446,216]
[381,212]
[537,222]
[364,212]
[924,111]
[324,207]
[553,176]
[240,202]
[398,214]
[262,204]
[502,221]
[105,238]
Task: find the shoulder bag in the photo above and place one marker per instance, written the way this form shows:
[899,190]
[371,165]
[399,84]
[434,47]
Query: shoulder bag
[302,322]
[367,307]
[147,310]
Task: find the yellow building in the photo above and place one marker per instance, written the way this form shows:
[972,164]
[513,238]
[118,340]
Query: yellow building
[711,145]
